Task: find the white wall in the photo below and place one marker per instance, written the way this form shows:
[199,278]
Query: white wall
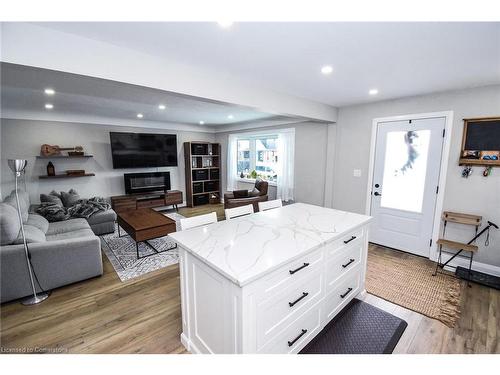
[475,195]
[22,139]
[310,161]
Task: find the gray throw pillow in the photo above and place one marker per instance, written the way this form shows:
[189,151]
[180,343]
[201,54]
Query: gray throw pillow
[70,198]
[9,224]
[53,197]
[38,221]
[11,199]
[33,234]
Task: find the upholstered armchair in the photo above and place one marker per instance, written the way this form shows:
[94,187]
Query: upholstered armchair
[239,198]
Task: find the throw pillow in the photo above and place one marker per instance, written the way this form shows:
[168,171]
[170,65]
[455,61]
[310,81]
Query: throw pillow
[240,193]
[53,197]
[9,224]
[11,199]
[70,198]
[33,234]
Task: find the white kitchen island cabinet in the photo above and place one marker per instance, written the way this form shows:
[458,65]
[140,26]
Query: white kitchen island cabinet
[269,282]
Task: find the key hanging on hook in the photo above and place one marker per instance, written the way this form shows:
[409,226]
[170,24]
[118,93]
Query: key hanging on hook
[487,171]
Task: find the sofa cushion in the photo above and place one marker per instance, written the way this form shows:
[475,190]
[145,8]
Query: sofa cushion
[70,198]
[66,226]
[53,197]
[240,194]
[69,235]
[32,233]
[9,224]
[23,202]
[102,217]
[38,221]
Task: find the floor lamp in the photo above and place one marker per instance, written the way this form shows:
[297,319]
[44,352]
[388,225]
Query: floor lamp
[18,166]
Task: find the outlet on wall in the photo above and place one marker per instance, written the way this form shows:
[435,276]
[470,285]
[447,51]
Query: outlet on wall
[356,172]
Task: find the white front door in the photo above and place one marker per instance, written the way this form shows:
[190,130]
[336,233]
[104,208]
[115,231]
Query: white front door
[405,183]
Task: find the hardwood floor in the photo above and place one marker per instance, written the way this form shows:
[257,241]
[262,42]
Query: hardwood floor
[105,315]
[101,315]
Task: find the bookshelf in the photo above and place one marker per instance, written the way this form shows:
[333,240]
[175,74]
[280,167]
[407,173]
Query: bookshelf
[203,172]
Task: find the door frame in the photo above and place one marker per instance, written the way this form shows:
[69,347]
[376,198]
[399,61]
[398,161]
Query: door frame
[445,155]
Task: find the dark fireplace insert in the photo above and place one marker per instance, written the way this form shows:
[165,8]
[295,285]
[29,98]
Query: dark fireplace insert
[146,182]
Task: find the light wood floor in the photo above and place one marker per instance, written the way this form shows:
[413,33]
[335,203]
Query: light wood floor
[104,315]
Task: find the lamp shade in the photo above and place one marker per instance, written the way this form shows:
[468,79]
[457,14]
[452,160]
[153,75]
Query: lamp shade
[17,165]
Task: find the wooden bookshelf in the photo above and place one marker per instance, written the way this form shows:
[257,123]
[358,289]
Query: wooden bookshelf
[203,172]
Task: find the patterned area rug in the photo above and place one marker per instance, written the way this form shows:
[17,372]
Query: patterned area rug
[407,281]
[121,252]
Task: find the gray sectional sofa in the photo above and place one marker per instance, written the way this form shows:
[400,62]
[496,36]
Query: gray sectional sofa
[61,252]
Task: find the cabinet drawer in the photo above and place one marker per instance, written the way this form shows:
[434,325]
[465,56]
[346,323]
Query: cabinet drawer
[344,261]
[280,310]
[349,239]
[344,291]
[294,337]
[150,203]
[280,279]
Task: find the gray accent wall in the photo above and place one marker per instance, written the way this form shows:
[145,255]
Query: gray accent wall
[23,138]
[475,195]
[310,160]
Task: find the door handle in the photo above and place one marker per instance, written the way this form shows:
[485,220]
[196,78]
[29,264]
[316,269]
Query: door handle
[377,194]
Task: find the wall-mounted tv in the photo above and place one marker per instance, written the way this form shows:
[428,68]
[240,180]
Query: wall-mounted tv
[143,150]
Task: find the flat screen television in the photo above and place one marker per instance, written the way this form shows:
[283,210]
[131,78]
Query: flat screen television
[143,150]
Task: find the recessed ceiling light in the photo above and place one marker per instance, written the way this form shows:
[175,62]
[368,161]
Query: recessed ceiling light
[230,117]
[162,107]
[327,69]
[49,106]
[373,92]
[202,122]
[49,91]
[139,115]
[225,24]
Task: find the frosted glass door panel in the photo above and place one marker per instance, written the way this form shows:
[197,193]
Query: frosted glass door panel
[405,168]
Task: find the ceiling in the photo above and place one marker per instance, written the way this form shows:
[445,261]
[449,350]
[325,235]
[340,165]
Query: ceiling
[22,89]
[398,59]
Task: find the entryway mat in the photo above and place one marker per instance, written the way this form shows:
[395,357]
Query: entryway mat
[359,328]
[479,277]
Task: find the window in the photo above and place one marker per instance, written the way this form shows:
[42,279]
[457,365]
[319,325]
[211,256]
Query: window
[257,157]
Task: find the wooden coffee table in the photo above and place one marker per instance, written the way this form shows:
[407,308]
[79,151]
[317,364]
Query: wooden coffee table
[145,224]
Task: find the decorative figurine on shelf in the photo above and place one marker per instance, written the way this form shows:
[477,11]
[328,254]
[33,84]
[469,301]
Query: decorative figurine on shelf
[51,171]
[242,175]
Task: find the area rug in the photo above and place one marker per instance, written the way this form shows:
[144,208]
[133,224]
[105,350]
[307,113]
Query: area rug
[407,281]
[121,252]
[359,328]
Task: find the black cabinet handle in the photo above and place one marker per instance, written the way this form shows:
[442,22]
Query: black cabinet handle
[290,343]
[350,239]
[298,269]
[304,295]
[346,293]
[345,265]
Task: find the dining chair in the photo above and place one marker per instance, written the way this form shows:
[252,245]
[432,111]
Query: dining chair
[198,221]
[269,205]
[232,213]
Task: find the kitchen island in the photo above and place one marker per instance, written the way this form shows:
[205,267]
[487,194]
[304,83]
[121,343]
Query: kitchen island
[270,281]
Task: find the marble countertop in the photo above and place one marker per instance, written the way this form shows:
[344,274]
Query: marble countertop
[246,248]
